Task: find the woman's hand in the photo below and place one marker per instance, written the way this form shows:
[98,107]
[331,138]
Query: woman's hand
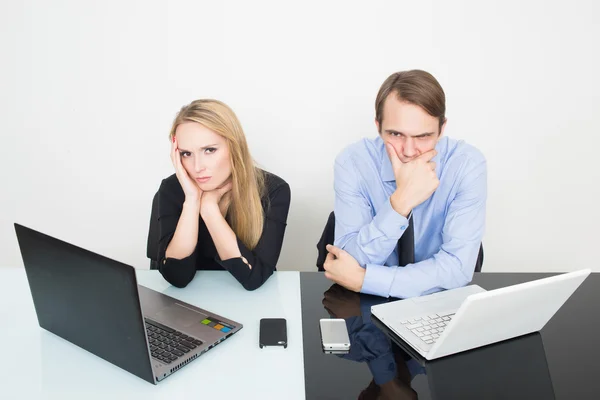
[216,200]
[192,191]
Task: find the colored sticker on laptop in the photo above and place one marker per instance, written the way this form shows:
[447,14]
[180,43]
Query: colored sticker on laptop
[218,325]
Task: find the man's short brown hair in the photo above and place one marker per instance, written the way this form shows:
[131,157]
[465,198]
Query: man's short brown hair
[415,87]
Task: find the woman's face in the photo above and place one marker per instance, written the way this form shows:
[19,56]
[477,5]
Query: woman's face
[204,155]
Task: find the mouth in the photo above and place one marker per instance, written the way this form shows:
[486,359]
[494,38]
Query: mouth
[203,179]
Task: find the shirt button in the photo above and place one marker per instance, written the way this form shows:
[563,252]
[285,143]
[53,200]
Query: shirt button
[403,227]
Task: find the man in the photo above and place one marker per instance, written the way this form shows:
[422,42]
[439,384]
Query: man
[409,204]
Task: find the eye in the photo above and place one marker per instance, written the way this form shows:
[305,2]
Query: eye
[395,134]
[425,137]
[210,150]
[185,154]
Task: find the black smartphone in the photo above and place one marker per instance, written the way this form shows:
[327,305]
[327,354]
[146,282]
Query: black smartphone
[273,332]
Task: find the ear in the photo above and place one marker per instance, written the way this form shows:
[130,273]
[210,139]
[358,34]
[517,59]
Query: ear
[443,128]
[378,127]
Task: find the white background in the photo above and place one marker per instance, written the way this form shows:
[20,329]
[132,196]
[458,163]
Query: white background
[88,91]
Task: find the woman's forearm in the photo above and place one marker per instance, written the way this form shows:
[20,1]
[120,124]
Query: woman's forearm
[185,238]
[221,233]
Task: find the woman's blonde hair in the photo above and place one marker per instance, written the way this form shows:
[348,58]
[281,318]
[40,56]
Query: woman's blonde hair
[245,213]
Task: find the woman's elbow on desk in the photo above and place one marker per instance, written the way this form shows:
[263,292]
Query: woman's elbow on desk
[179,280]
[179,283]
[253,283]
[251,286]
[257,278]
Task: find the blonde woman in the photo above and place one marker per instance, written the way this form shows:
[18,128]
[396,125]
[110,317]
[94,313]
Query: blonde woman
[218,211]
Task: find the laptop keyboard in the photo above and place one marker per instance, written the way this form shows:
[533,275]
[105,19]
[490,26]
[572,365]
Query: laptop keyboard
[428,328]
[167,344]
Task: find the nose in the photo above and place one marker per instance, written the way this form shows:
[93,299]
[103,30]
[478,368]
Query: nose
[198,165]
[409,149]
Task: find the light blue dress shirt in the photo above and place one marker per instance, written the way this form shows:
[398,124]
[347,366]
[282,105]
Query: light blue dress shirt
[448,226]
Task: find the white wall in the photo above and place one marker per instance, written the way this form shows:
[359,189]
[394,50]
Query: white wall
[88,90]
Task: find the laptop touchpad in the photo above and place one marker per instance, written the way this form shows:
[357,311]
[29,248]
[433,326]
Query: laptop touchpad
[178,316]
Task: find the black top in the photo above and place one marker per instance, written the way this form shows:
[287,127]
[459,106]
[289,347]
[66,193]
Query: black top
[276,204]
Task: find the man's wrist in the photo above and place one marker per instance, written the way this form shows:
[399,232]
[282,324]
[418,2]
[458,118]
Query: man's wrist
[399,204]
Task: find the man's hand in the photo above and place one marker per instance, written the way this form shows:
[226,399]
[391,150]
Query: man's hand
[343,269]
[415,180]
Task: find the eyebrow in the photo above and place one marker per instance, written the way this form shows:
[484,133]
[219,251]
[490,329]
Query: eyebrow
[201,148]
[417,136]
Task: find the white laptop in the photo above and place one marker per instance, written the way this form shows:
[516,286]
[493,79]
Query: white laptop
[461,319]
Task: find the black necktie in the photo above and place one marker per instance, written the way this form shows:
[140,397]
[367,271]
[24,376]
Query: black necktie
[406,245]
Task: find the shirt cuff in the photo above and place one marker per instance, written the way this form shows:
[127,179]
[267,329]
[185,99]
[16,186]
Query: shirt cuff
[378,280]
[175,263]
[237,267]
[389,222]
[177,272]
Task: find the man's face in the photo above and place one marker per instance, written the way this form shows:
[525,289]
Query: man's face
[408,128]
